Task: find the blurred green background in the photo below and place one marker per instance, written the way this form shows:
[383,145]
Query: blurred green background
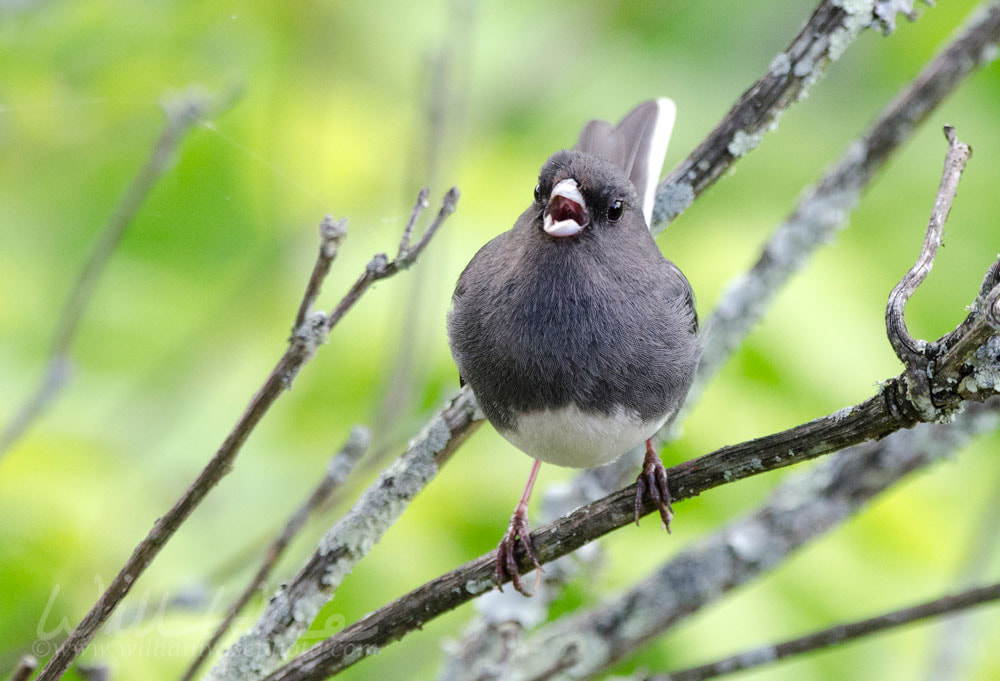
[338,117]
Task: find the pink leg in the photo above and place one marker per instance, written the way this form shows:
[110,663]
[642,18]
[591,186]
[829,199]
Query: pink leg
[653,479]
[518,532]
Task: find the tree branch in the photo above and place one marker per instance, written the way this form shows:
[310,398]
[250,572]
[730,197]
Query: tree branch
[836,635]
[824,37]
[181,113]
[302,347]
[337,470]
[891,409]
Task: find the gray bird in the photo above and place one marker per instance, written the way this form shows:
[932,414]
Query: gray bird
[577,337]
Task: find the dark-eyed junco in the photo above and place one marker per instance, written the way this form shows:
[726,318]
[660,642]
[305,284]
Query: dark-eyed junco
[577,337]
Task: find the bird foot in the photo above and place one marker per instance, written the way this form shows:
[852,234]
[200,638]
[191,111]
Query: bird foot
[518,533]
[653,479]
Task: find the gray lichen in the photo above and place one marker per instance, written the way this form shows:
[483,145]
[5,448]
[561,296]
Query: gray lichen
[781,65]
[672,200]
[744,142]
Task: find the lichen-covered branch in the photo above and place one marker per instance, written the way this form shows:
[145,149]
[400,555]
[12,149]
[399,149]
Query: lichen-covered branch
[824,37]
[824,208]
[302,347]
[836,635]
[290,612]
[336,473]
[182,112]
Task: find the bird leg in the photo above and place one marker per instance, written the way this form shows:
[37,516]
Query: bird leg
[518,533]
[654,479]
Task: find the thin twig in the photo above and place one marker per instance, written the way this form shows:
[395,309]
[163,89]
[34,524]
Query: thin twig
[302,347]
[823,38]
[894,407]
[331,234]
[836,635]
[337,470]
[26,666]
[418,208]
[181,114]
[380,267]
[908,350]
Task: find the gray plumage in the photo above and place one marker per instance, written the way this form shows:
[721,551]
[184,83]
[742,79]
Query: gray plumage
[599,320]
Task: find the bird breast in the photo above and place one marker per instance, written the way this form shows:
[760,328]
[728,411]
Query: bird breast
[570,436]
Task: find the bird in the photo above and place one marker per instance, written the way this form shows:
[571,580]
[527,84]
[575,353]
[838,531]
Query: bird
[577,337]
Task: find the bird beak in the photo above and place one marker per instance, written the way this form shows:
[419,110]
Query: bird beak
[566,213]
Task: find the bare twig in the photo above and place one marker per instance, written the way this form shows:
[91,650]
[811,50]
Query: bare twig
[826,35]
[331,234]
[891,409]
[380,267]
[337,471]
[824,208]
[26,666]
[907,349]
[289,613]
[836,635]
[302,347]
[181,114]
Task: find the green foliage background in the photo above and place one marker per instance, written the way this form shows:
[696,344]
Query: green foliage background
[196,304]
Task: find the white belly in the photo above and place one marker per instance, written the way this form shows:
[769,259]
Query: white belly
[570,437]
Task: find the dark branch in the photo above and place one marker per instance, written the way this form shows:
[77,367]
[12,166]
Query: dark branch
[824,37]
[836,635]
[181,115]
[337,470]
[302,347]
[894,407]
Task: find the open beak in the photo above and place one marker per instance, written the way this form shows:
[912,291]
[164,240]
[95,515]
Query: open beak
[566,213]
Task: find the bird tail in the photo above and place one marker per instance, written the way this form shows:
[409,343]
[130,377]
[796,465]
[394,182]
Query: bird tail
[638,145]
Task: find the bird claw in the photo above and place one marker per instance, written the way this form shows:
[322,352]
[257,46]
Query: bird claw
[518,532]
[653,479]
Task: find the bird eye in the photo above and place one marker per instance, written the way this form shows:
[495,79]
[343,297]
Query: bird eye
[615,211]
[538,192]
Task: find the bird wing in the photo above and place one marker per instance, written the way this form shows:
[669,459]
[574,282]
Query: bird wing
[678,287]
[638,145]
